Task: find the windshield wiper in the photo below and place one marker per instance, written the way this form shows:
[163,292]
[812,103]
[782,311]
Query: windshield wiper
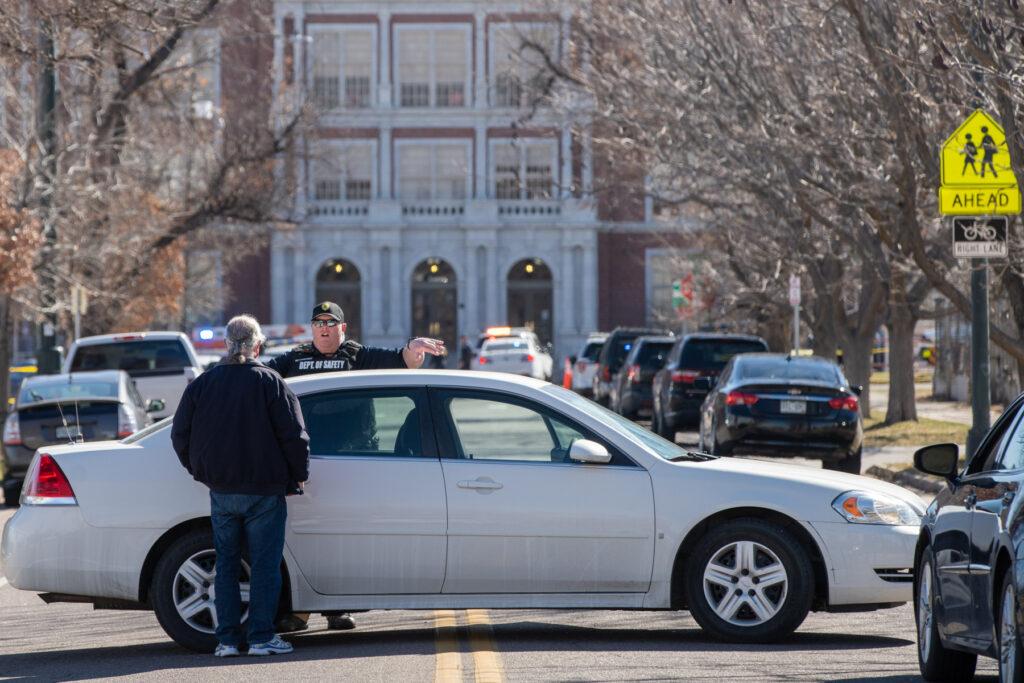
[694,456]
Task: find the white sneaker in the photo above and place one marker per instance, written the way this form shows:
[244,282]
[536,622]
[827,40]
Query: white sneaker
[275,646]
[226,651]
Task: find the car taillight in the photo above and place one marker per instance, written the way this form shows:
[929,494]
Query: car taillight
[528,358]
[685,376]
[45,484]
[126,422]
[739,398]
[844,403]
[483,360]
[12,430]
[633,374]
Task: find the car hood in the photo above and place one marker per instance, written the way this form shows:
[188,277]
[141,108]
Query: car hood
[794,486]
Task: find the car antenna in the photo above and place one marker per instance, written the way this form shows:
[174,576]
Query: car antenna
[78,424]
[65,423]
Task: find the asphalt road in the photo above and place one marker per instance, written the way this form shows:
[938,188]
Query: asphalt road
[41,642]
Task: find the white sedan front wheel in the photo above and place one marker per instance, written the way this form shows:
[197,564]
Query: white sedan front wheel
[749,580]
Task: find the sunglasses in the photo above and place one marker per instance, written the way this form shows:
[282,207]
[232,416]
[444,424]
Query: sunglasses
[325,323]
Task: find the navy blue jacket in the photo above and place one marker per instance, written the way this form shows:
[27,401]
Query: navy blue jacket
[239,429]
[306,360]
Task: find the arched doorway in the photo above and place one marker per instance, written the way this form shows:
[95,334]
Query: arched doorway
[434,301]
[530,298]
[338,281]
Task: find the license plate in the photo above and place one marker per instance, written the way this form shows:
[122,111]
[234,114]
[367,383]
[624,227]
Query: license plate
[74,432]
[793,407]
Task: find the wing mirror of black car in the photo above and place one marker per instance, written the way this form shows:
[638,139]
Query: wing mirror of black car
[155,405]
[941,459]
[703,383]
[857,389]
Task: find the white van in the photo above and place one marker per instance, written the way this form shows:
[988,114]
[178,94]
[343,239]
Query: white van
[161,363]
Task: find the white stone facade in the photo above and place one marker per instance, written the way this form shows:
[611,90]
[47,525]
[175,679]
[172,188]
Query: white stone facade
[386,232]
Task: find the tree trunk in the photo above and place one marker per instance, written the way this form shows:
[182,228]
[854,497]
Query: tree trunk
[902,401]
[857,367]
[6,333]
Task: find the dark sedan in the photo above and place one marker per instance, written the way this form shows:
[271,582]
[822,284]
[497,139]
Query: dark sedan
[967,593]
[631,386]
[774,404]
[81,406]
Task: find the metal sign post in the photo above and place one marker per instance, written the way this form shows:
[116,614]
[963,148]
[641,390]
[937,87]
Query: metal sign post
[794,301]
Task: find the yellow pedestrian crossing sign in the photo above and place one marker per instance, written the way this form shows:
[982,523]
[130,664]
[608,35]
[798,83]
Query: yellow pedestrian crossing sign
[977,178]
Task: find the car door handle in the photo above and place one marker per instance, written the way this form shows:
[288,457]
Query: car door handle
[480,484]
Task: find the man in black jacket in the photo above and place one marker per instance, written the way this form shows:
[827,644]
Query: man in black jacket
[331,352]
[239,430]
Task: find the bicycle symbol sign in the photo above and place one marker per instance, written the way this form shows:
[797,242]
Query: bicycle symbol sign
[979,237]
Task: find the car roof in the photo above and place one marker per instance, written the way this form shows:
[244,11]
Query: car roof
[657,339]
[646,331]
[724,336]
[411,378]
[782,357]
[128,337]
[112,376]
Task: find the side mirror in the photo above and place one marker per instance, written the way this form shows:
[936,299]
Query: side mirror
[858,389]
[941,459]
[155,405]
[584,450]
[703,383]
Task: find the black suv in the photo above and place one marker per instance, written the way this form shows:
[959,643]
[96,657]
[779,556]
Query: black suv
[613,353]
[631,385]
[677,401]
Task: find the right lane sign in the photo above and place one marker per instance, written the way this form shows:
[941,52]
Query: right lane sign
[979,237]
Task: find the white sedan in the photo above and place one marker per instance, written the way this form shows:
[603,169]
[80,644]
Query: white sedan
[448,490]
[516,355]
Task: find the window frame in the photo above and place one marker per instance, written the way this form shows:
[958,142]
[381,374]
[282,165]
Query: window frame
[421,401]
[336,149]
[449,445]
[463,26]
[520,145]
[990,449]
[466,143]
[341,29]
[492,75]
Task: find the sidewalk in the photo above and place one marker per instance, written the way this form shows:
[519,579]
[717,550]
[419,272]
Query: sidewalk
[947,411]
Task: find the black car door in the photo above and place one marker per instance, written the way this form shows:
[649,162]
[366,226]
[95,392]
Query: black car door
[951,540]
[994,488]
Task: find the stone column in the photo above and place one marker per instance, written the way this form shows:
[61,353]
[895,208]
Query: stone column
[480,93]
[480,171]
[590,292]
[384,94]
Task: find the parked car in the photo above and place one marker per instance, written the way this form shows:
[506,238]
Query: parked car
[631,389]
[56,409]
[161,363]
[15,376]
[482,490]
[968,583]
[504,331]
[515,355]
[677,398]
[583,365]
[616,347]
[775,404]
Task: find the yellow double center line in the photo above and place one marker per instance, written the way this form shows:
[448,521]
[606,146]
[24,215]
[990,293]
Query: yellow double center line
[486,660]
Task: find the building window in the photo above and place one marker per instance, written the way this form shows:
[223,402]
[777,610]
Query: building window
[344,172]
[343,68]
[519,73]
[523,169]
[433,170]
[433,67]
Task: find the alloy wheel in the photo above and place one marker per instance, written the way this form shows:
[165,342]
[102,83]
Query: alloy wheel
[925,617]
[1008,635]
[745,583]
[194,594]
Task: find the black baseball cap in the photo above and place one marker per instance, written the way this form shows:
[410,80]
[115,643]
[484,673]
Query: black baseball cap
[329,308]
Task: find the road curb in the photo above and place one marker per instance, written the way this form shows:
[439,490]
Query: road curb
[905,478]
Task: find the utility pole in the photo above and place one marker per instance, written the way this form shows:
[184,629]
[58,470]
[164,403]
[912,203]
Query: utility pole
[981,390]
[47,356]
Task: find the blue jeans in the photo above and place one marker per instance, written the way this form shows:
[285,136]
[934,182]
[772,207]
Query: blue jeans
[259,522]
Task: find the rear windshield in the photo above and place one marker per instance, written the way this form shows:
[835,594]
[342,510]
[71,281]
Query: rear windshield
[653,355]
[506,346]
[713,354]
[776,368]
[619,350]
[137,357]
[33,393]
[592,351]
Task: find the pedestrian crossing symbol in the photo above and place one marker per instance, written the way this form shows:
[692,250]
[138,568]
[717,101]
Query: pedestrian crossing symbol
[977,178]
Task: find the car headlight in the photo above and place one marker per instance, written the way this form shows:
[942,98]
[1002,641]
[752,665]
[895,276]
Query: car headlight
[861,507]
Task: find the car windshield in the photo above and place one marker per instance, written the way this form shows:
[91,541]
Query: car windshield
[653,354]
[663,448]
[136,357]
[713,354]
[787,369]
[34,392]
[591,351]
[516,345]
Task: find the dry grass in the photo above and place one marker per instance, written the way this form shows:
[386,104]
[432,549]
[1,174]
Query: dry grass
[920,377]
[920,433]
